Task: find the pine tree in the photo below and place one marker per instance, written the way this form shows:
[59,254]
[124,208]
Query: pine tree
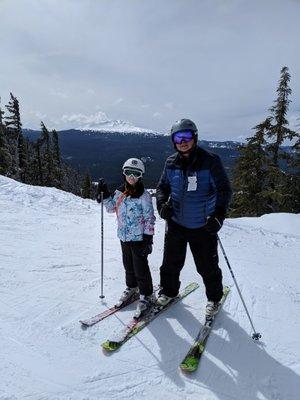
[87,187]
[292,186]
[249,175]
[14,126]
[37,164]
[279,130]
[5,157]
[278,133]
[46,156]
[57,172]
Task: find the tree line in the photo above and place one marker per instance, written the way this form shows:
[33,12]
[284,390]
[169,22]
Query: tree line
[266,174]
[34,163]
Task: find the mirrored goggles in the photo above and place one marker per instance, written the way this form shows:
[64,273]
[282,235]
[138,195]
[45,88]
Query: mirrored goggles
[132,173]
[183,137]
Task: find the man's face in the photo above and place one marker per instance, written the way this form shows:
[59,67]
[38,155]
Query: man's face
[185,147]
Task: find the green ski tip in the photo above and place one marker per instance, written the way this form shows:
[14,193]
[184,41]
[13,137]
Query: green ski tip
[110,346]
[190,364]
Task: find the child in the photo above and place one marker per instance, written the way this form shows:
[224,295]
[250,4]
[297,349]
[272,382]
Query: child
[133,207]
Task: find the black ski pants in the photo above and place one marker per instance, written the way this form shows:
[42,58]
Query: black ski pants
[203,246]
[137,271]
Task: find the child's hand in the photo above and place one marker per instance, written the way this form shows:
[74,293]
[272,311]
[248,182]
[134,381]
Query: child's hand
[102,188]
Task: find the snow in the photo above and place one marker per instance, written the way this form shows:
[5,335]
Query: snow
[50,278]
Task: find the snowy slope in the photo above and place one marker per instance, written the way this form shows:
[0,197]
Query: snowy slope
[50,269]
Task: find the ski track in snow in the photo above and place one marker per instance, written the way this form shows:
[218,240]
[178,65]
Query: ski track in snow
[50,278]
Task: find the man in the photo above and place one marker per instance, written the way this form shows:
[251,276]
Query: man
[192,195]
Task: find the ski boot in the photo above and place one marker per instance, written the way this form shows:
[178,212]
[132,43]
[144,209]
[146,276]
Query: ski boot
[212,307]
[127,296]
[163,300]
[144,305]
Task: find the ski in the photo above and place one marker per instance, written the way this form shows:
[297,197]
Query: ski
[99,317]
[134,326]
[85,323]
[191,360]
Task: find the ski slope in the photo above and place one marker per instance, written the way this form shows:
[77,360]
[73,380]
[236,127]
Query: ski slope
[50,278]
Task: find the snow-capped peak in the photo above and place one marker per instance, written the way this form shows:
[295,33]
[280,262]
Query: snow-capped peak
[100,122]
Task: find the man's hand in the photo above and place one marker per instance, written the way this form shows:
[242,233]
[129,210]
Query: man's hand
[102,187]
[166,211]
[215,222]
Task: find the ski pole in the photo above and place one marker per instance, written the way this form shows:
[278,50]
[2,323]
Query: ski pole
[256,335]
[102,246]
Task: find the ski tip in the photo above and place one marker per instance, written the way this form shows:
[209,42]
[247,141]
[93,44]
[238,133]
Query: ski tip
[190,364]
[110,346]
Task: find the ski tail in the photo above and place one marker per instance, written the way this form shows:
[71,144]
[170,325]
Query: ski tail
[191,361]
[85,323]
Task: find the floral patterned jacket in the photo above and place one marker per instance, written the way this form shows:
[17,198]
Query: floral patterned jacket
[135,215]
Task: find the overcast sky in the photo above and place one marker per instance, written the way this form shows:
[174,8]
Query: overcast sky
[149,62]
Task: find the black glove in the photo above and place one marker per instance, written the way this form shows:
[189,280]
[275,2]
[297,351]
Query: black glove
[215,221]
[147,242]
[166,211]
[102,187]
[147,238]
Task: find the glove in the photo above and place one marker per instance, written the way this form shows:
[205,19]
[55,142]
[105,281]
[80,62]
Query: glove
[148,242]
[166,211]
[147,238]
[102,187]
[215,221]
[143,248]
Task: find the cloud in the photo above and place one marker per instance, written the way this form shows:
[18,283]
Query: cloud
[169,105]
[98,118]
[58,93]
[118,101]
[38,114]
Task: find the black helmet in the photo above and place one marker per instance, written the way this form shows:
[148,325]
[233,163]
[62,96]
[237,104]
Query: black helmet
[184,125]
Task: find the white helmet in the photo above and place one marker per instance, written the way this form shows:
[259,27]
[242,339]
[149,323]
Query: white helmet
[134,163]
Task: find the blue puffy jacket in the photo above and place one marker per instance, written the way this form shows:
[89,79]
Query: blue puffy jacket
[196,187]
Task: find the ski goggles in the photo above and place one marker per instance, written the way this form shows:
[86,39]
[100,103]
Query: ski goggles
[182,137]
[132,173]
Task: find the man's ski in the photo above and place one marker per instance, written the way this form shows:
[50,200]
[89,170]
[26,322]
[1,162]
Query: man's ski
[134,326]
[191,361]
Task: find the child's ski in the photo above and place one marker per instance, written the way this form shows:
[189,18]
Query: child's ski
[134,326]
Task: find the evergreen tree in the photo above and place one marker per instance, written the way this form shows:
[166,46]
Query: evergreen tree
[293,180]
[279,130]
[46,157]
[14,126]
[278,133]
[249,175]
[57,172]
[5,157]
[87,187]
[37,164]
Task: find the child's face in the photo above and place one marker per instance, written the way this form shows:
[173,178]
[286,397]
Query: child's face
[131,180]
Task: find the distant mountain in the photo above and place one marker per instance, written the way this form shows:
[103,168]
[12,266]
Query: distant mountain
[103,153]
[99,122]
